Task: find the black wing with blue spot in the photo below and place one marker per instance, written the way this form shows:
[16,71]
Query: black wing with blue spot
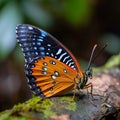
[37,43]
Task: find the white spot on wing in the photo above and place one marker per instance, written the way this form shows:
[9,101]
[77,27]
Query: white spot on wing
[65,58]
[40,39]
[48,45]
[30,28]
[20,44]
[72,66]
[43,33]
[52,55]
[22,49]
[53,77]
[62,56]
[68,61]
[59,51]
[30,86]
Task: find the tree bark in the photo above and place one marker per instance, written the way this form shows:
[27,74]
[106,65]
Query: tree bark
[103,104]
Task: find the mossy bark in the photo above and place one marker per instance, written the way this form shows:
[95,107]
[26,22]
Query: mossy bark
[103,104]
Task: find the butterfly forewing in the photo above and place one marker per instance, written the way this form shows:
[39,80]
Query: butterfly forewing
[36,42]
[45,57]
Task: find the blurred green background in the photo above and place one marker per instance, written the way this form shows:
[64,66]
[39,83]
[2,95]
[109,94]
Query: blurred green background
[78,24]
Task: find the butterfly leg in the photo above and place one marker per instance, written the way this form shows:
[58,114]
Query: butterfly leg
[75,87]
[89,85]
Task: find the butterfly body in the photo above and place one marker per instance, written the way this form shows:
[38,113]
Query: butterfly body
[51,69]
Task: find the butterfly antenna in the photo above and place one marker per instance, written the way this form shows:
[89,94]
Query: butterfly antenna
[99,52]
[91,56]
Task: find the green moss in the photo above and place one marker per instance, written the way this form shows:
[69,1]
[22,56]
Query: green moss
[45,107]
[68,103]
[112,62]
[25,111]
[7,115]
[4,115]
[28,105]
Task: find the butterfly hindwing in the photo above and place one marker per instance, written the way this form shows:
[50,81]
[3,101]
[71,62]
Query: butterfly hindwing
[52,77]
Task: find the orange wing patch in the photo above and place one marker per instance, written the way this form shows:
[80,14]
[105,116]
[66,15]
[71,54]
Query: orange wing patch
[53,77]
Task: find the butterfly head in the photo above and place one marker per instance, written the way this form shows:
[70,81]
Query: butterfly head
[88,73]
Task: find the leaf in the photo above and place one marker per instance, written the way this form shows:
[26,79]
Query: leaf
[37,13]
[9,18]
[77,12]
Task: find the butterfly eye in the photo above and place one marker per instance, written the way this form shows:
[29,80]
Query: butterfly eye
[89,73]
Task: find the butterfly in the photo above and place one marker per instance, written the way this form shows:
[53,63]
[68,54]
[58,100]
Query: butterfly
[51,69]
